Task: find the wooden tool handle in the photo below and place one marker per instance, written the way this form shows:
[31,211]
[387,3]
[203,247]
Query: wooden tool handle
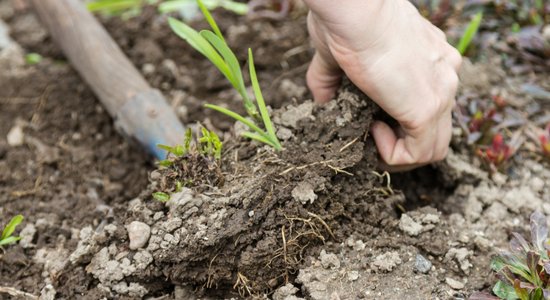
[140,112]
[91,51]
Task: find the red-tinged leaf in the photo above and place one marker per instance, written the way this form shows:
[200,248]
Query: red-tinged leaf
[539,230]
[482,296]
[545,144]
[506,276]
[498,141]
[522,293]
[526,285]
[533,259]
[518,243]
[499,101]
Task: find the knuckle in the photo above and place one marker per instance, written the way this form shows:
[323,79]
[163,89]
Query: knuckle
[454,58]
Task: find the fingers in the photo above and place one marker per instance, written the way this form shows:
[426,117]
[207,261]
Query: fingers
[426,144]
[454,58]
[323,78]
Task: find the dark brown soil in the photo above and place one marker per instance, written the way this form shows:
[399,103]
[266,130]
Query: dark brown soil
[257,233]
[72,169]
[276,217]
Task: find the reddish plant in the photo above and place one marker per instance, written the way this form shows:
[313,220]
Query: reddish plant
[545,141]
[499,101]
[497,153]
[481,121]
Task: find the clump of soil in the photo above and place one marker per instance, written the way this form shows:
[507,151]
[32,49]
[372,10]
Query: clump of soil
[193,169]
[252,234]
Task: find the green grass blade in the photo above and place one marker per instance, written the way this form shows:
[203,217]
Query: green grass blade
[236,7]
[257,137]
[200,44]
[10,240]
[260,100]
[210,20]
[470,33]
[112,6]
[174,5]
[10,228]
[166,148]
[239,118]
[229,57]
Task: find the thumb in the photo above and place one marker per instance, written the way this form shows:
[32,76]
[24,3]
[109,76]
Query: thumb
[323,78]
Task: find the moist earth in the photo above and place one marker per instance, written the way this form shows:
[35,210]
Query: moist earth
[315,221]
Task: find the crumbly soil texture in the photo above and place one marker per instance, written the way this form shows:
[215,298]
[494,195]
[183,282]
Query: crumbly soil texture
[316,220]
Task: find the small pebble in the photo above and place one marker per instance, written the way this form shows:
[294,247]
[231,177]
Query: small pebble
[353,275]
[454,284]
[16,137]
[139,234]
[422,265]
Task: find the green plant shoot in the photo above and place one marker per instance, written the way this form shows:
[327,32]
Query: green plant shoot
[212,45]
[33,58]
[210,144]
[470,33]
[7,237]
[130,8]
[161,197]
[175,5]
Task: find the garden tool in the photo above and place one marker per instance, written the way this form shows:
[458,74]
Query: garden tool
[140,112]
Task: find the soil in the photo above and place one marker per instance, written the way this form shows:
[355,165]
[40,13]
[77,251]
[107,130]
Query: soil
[315,221]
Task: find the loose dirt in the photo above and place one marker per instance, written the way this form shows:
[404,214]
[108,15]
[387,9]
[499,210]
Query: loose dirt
[315,221]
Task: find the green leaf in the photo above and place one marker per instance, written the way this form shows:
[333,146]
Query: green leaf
[236,7]
[179,151]
[179,186]
[257,137]
[522,293]
[170,6]
[33,58]
[217,145]
[210,20]
[114,7]
[521,271]
[230,60]
[165,163]
[505,291]
[160,196]
[207,141]
[187,140]
[10,228]
[174,5]
[536,294]
[9,240]
[200,44]
[239,118]
[469,34]
[261,102]
[166,148]
[533,259]
[497,263]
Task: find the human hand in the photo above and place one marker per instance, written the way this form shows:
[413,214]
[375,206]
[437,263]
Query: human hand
[400,60]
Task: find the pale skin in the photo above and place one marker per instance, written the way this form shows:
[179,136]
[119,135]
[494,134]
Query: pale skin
[399,59]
